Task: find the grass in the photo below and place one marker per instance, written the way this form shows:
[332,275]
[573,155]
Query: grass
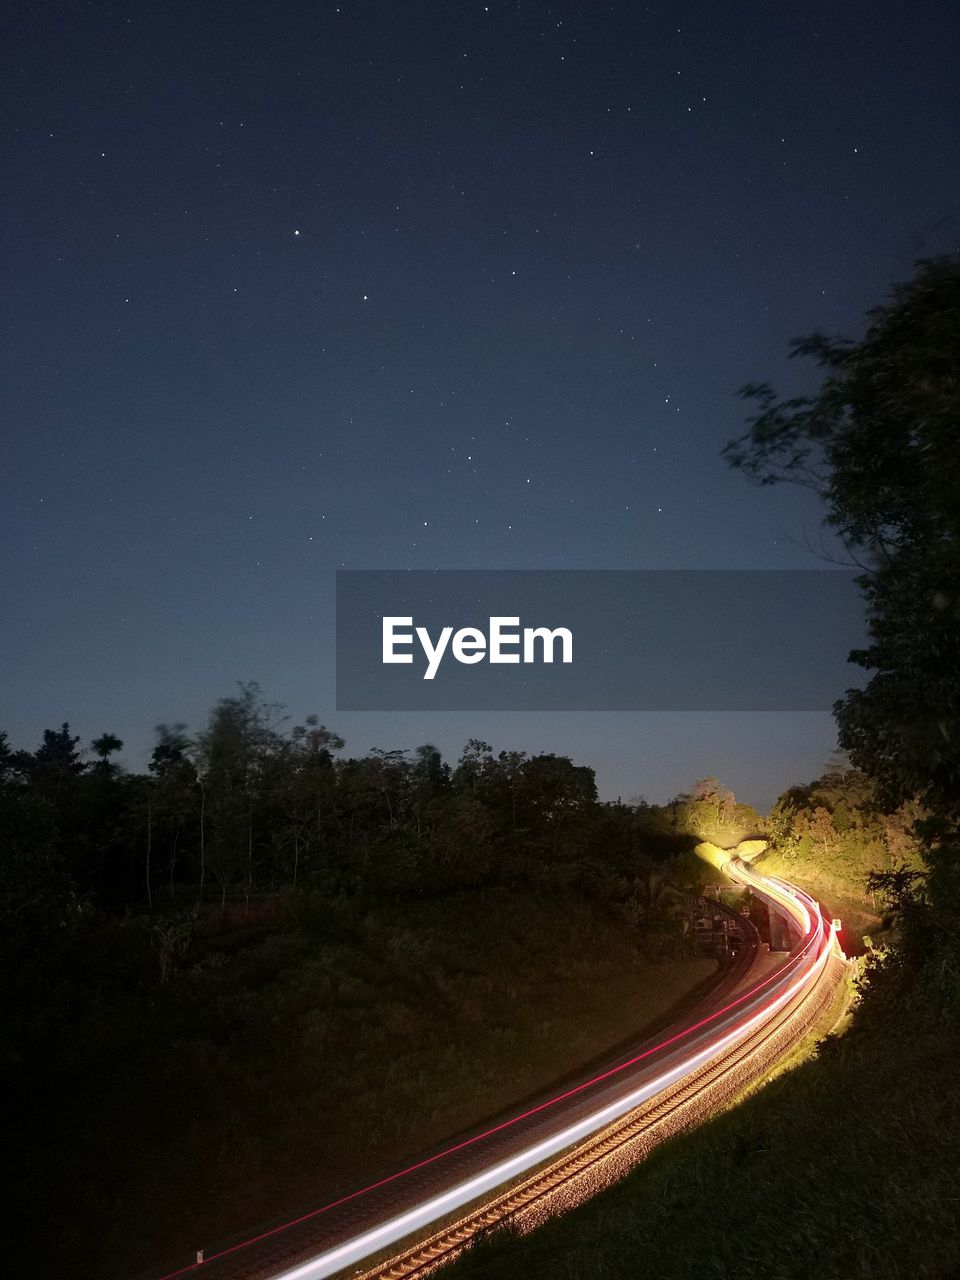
[845,1168]
[295,1070]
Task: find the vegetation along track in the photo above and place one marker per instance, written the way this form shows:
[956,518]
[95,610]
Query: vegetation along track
[595,1164]
[568,1147]
[587,1168]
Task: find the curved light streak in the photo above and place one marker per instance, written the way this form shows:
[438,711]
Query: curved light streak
[797,905]
[802,969]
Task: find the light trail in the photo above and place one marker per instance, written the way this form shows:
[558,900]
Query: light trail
[334,1260]
[699,1044]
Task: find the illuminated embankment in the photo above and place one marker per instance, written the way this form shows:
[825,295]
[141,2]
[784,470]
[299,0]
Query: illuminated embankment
[472,1171]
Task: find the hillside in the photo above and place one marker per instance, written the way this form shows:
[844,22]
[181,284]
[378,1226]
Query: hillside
[299,1067]
[829,1171]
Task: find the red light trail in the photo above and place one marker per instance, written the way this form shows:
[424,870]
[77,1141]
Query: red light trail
[807,961]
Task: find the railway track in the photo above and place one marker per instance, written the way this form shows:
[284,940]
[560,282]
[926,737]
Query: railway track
[679,1108]
[566,1147]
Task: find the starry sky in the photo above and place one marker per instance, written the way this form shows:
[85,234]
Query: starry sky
[292,287]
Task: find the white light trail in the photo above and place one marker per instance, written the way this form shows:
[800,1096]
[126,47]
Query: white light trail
[378,1238]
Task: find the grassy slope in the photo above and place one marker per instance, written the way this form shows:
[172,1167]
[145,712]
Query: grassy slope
[846,1168]
[840,895]
[301,1067]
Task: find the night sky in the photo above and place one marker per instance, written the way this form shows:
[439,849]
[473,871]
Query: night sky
[295,287]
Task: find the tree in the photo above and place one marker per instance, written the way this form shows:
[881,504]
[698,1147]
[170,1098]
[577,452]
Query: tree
[171,937]
[711,791]
[232,753]
[176,793]
[57,759]
[473,765]
[105,746]
[8,758]
[878,442]
[821,830]
[302,782]
[37,902]
[171,750]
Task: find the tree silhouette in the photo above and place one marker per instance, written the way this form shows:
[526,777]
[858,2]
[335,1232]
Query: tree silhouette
[105,746]
[878,442]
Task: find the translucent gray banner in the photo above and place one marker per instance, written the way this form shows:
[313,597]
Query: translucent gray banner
[596,640]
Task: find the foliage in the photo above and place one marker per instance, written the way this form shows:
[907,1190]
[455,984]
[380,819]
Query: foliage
[846,1167]
[257,1078]
[878,441]
[254,925]
[249,805]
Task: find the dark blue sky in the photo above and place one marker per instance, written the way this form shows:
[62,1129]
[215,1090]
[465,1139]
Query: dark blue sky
[294,287]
